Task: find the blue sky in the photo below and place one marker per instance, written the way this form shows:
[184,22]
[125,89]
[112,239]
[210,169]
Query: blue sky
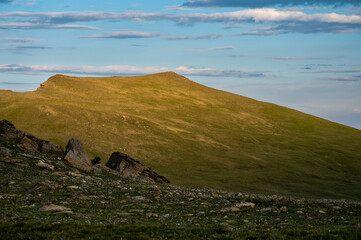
[301,54]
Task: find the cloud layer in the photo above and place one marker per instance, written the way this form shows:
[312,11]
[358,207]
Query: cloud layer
[252,15]
[127,70]
[125,35]
[265,3]
[284,21]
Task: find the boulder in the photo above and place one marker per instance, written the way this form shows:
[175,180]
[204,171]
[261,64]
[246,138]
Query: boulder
[76,155]
[8,130]
[131,168]
[96,160]
[29,145]
[47,146]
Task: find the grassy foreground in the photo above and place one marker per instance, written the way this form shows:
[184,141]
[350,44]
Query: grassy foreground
[99,205]
[194,135]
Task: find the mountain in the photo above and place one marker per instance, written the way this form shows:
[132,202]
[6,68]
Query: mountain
[194,135]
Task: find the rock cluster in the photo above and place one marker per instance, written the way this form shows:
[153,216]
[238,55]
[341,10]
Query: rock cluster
[75,155]
[28,141]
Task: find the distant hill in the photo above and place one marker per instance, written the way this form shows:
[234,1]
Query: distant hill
[195,135]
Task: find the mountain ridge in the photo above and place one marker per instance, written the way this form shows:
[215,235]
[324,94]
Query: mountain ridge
[196,135]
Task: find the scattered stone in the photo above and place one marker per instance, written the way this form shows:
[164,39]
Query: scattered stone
[283,209]
[83,197]
[245,221]
[322,212]
[73,187]
[10,160]
[299,212]
[152,215]
[201,214]
[46,185]
[55,208]
[245,205]
[45,165]
[266,209]
[137,210]
[166,215]
[75,174]
[235,209]
[5,151]
[96,160]
[76,155]
[29,145]
[131,168]
[138,199]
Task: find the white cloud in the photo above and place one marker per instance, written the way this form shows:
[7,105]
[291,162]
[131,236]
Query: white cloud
[255,15]
[127,70]
[21,40]
[28,25]
[125,34]
[210,49]
[198,37]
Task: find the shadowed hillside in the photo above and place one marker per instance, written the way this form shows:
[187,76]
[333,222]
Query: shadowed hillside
[195,135]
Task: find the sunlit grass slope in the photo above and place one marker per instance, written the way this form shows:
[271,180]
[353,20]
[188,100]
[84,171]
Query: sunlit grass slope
[195,135]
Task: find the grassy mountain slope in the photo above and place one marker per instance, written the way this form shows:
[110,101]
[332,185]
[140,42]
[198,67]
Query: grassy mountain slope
[195,135]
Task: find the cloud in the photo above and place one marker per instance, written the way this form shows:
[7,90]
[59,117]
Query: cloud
[17,47]
[252,15]
[125,35]
[356,70]
[199,37]
[285,21]
[306,28]
[211,49]
[294,58]
[265,3]
[28,25]
[127,70]
[20,40]
[342,78]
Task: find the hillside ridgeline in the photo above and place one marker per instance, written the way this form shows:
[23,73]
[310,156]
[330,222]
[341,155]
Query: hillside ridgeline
[195,135]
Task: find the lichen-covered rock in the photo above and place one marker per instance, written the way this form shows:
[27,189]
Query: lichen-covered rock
[29,145]
[8,130]
[131,168]
[29,142]
[76,155]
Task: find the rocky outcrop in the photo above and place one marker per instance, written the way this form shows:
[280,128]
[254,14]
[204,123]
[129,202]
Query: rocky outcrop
[96,160]
[131,168]
[76,155]
[28,141]
[8,130]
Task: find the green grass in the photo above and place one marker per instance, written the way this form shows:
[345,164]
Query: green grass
[194,135]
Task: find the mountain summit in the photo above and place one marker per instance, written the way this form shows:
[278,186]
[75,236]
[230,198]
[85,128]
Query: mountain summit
[195,135]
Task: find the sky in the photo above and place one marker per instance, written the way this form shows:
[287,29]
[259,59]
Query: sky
[302,54]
